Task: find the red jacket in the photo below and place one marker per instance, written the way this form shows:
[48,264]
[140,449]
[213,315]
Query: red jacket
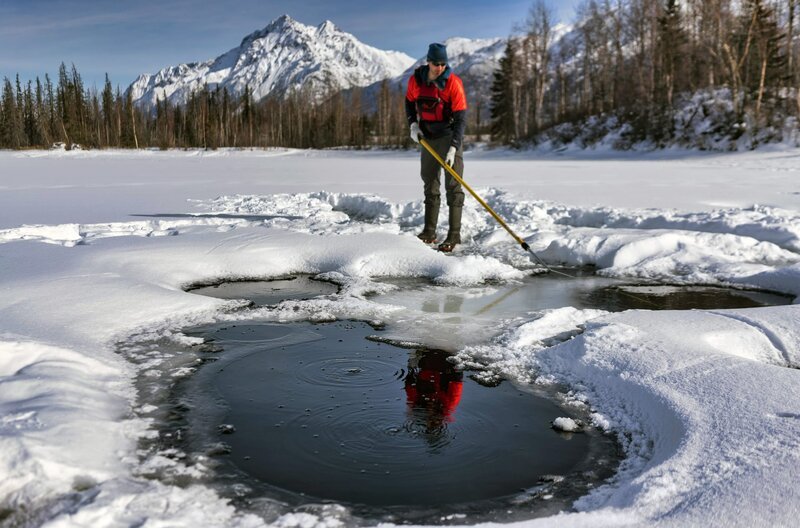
[439,106]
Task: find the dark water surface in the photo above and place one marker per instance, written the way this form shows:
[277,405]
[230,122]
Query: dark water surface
[665,297]
[315,413]
[264,293]
[344,418]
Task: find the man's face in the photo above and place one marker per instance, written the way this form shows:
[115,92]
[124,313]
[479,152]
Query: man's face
[435,69]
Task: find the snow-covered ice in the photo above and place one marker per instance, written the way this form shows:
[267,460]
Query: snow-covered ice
[705,403]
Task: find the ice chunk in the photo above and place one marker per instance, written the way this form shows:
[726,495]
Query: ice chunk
[567,425]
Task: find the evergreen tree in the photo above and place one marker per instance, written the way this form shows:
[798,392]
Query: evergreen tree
[64,108]
[108,113]
[671,51]
[50,109]
[504,95]
[94,120]
[247,116]
[19,117]
[9,130]
[29,118]
[42,116]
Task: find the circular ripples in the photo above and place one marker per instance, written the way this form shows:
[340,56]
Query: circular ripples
[359,371]
[351,420]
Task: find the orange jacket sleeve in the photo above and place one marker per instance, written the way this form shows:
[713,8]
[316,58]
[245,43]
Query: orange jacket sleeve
[458,99]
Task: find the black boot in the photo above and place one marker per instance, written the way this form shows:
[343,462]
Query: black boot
[428,234]
[453,230]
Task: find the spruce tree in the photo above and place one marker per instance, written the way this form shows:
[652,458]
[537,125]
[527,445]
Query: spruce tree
[108,111]
[42,112]
[19,117]
[50,109]
[32,138]
[670,50]
[8,113]
[504,110]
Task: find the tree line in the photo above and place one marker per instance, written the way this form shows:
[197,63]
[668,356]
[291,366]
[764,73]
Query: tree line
[634,58]
[631,59]
[40,114]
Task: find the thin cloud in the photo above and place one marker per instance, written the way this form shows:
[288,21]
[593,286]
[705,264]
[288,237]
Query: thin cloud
[64,17]
[10,28]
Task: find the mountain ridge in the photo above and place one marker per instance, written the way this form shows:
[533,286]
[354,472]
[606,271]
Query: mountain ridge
[283,57]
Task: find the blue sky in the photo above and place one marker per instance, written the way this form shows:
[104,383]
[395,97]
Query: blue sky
[125,39]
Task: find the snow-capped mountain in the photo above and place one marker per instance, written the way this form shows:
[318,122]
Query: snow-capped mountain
[471,59]
[283,57]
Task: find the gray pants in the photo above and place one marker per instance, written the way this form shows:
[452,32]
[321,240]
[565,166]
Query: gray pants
[430,174]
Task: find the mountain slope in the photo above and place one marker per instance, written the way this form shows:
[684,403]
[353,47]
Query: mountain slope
[283,57]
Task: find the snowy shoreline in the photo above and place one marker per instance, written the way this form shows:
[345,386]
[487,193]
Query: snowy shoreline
[704,400]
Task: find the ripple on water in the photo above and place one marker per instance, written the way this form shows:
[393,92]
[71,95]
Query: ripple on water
[321,413]
[347,419]
[357,371]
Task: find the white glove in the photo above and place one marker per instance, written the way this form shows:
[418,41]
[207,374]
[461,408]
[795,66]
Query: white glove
[415,131]
[451,156]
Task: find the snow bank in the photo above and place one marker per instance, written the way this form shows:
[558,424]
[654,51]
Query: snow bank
[705,413]
[53,397]
[666,255]
[690,452]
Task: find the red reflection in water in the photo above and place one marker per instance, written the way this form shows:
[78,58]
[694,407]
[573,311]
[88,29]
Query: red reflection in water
[433,388]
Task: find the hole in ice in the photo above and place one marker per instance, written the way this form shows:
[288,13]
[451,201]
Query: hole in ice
[324,413]
[268,292]
[292,415]
[664,297]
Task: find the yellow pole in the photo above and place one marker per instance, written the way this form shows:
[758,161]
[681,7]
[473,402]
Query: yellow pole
[455,175]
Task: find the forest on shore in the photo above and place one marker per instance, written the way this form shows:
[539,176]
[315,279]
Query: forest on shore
[653,71]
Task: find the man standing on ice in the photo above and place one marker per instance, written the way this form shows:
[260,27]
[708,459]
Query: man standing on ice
[436,107]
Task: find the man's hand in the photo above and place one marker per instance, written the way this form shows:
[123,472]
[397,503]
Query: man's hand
[416,133]
[451,156]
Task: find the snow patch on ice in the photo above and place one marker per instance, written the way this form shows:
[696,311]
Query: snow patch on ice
[672,256]
[512,354]
[567,425]
[753,247]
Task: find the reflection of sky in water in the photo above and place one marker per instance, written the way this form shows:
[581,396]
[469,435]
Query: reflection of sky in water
[269,292]
[500,300]
[450,318]
[453,317]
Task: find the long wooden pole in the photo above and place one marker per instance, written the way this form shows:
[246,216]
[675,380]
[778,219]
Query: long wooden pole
[458,178]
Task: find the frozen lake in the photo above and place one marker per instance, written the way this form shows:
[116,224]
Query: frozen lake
[97,250]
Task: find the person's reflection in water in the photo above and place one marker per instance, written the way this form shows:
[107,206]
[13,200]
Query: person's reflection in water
[433,390]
